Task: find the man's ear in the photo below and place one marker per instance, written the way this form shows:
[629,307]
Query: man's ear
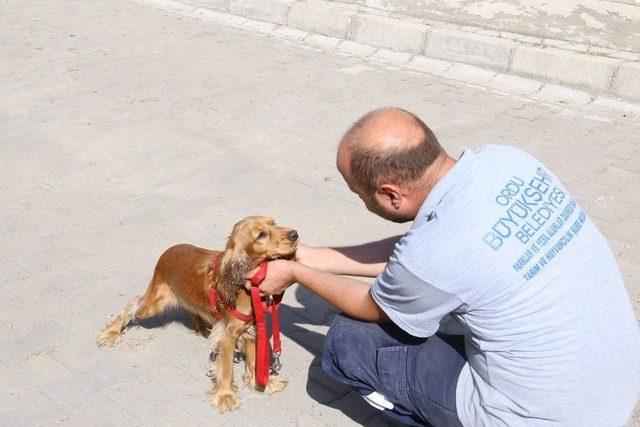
[392,194]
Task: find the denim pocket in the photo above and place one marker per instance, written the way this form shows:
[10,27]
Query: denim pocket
[391,363]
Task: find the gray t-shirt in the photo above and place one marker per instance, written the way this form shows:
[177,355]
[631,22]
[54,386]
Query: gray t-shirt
[501,247]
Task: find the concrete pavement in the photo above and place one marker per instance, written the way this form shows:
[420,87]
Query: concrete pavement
[125,129]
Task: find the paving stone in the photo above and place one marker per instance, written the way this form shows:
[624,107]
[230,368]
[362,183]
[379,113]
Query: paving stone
[520,37]
[289,34]
[516,84]
[101,412]
[559,65]
[78,390]
[614,104]
[428,65]
[627,80]
[274,11]
[563,94]
[627,56]
[322,41]
[356,49]
[34,409]
[577,47]
[222,5]
[390,33]
[386,55]
[324,18]
[469,73]
[219,17]
[258,27]
[10,270]
[26,376]
[555,42]
[453,45]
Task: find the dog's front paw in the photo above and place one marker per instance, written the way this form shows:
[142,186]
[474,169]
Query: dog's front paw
[225,401]
[108,338]
[275,385]
[249,380]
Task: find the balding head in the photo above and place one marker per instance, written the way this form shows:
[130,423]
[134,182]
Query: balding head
[389,144]
[385,129]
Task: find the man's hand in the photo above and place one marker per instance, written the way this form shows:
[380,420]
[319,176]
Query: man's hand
[279,277]
[303,254]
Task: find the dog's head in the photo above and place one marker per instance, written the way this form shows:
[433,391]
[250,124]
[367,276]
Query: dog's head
[253,240]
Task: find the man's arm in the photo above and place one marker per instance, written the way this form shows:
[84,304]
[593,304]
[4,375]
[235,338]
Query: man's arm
[350,296]
[367,260]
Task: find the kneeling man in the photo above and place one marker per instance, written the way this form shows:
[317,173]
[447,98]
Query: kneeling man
[543,329]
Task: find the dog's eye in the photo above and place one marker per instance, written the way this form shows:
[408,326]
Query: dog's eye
[262,235]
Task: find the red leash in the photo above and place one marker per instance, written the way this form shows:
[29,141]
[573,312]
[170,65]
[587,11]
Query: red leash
[263,362]
[260,307]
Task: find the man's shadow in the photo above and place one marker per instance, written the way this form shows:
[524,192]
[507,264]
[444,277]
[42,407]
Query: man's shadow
[314,311]
[321,387]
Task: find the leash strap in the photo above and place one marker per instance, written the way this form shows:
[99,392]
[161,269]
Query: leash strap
[263,364]
[277,345]
[263,355]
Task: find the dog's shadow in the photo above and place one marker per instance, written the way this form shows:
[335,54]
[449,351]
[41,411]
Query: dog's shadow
[169,315]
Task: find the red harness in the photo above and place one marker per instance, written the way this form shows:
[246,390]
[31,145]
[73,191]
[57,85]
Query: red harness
[260,307]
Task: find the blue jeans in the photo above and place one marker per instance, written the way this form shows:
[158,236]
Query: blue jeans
[418,375]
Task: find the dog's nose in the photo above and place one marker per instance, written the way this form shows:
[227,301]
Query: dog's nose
[293,236]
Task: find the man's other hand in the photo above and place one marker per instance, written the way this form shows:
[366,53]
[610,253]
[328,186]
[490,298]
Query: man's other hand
[279,277]
[302,253]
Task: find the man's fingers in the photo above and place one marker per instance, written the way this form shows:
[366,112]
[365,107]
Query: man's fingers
[247,285]
[252,272]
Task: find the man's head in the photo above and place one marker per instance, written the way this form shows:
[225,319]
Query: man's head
[391,159]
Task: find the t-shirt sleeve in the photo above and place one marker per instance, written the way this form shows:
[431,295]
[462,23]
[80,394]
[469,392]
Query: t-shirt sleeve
[414,305]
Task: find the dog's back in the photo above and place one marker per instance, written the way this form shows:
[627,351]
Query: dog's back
[185,266]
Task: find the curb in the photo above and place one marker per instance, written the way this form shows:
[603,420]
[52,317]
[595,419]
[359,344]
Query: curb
[503,61]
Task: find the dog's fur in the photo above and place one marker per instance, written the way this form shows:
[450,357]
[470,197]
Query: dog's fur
[182,277]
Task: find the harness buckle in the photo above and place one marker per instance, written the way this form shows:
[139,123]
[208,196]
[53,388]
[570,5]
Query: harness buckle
[276,365]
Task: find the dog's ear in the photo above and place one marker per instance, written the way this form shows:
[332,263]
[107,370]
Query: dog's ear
[233,268]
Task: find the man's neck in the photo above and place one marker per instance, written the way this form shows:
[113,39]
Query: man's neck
[435,173]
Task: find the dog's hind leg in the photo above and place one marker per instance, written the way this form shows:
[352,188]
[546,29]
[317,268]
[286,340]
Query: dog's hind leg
[151,303]
[200,325]
[113,330]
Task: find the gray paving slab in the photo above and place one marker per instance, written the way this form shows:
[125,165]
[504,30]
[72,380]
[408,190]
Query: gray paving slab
[125,129]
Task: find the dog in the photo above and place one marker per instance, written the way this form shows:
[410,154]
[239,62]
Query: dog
[183,276]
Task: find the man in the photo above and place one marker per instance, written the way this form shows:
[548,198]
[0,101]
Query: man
[499,249]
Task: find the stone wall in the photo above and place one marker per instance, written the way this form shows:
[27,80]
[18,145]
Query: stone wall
[612,24]
[584,66]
